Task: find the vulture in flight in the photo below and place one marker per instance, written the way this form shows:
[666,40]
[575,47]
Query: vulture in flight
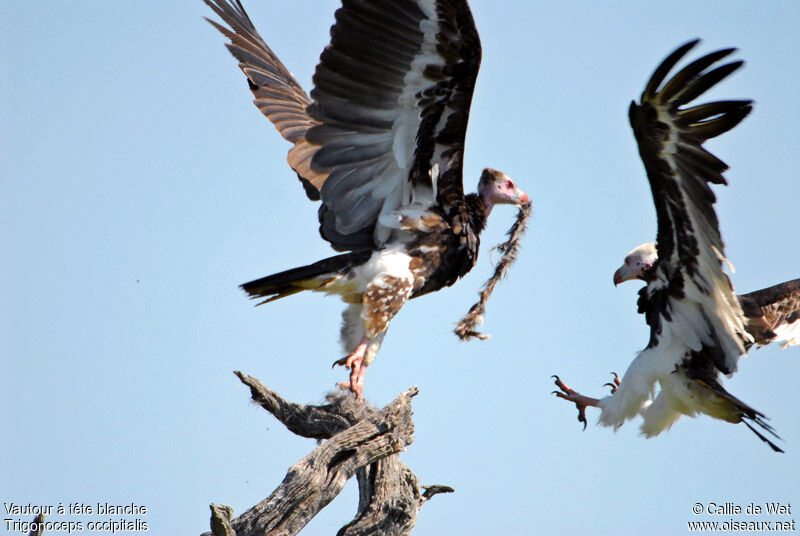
[698,326]
[771,314]
[380,142]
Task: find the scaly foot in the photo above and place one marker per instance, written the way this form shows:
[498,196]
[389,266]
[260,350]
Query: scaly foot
[580,401]
[355,362]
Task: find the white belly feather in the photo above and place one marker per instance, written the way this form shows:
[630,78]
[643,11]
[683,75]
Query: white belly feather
[656,366]
[392,262]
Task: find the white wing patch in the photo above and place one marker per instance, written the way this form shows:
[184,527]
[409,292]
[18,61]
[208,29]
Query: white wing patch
[788,334]
[720,311]
[399,193]
[407,122]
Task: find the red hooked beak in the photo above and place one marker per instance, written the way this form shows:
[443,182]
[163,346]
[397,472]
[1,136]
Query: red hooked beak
[622,274]
[523,197]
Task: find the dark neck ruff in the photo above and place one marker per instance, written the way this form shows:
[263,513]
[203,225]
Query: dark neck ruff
[650,274]
[476,211]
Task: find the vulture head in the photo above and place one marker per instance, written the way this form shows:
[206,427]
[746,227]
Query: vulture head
[497,188]
[638,264]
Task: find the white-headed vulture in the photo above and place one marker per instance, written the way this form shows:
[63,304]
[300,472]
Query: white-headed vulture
[699,328]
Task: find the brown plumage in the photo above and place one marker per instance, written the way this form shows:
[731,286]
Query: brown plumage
[773,313]
[380,143]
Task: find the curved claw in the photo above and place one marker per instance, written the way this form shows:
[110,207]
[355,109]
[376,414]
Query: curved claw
[614,384]
[580,401]
[340,362]
[581,413]
[581,408]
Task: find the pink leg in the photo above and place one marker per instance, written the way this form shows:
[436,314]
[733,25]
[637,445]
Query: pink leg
[355,362]
[580,401]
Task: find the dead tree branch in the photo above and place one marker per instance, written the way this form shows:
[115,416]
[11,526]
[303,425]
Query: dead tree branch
[356,439]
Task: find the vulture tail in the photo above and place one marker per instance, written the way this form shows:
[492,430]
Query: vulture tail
[311,277]
[752,419]
[759,420]
[723,405]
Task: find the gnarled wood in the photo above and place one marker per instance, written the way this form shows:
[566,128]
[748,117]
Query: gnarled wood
[358,440]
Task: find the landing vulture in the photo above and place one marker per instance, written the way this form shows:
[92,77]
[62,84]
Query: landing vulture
[698,329]
[771,314]
[380,142]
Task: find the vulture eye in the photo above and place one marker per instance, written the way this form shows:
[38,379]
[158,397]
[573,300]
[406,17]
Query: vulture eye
[509,184]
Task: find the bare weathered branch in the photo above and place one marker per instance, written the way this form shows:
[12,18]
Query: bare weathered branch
[388,500]
[221,520]
[430,491]
[362,440]
[316,422]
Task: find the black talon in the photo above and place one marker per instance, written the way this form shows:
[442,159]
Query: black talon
[341,361]
[582,417]
[614,384]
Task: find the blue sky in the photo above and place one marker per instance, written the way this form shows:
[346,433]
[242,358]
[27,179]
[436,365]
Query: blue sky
[139,186]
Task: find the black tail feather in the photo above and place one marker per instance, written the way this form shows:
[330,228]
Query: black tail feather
[759,420]
[288,282]
[748,415]
[734,410]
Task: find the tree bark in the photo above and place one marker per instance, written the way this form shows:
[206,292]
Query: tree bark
[355,439]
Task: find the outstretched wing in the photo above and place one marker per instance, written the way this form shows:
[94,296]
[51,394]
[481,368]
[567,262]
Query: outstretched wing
[386,125]
[277,93]
[773,313]
[691,287]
